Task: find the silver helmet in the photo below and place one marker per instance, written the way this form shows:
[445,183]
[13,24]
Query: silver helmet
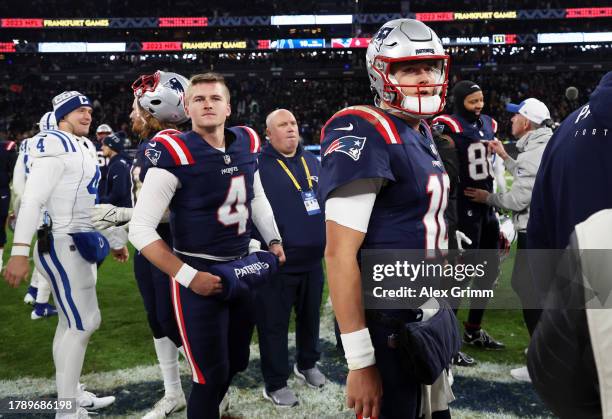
[47,122]
[407,40]
[162,94]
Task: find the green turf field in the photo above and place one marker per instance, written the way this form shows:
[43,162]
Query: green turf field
[124,339]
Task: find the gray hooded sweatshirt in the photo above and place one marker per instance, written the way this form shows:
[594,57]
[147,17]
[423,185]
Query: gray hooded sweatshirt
[524,170]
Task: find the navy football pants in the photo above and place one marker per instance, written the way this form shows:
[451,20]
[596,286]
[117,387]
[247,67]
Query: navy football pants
[401,393]
[154,287]
[480,224]
[216,336]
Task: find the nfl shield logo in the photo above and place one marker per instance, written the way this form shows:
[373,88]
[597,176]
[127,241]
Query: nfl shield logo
[227,159]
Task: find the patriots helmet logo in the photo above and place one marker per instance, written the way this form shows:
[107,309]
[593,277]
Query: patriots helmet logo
[381,35]
[349,145]
[152,155]
[175,85]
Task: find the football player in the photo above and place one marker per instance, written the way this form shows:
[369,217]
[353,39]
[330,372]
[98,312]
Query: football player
[384,188]
[158,109]
[470,130]
[63,179]
[208,177]
[39,289]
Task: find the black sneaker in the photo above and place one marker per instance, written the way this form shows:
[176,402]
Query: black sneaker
[463,360]
[481,339]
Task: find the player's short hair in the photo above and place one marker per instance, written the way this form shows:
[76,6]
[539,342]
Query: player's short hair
[209,77]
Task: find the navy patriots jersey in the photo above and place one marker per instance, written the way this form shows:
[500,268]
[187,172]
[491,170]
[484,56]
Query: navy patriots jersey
[475,169]
[362,142]
[574,180]
[210,211]
[140,164]
[103,166]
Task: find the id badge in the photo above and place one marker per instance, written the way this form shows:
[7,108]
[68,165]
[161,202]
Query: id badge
[310,202]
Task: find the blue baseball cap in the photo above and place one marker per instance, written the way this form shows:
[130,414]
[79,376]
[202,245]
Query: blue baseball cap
[114,142]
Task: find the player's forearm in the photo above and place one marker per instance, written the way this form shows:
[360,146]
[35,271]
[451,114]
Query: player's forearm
[160,255]
[343,275]
[45,174]
[263,216]
[344,280]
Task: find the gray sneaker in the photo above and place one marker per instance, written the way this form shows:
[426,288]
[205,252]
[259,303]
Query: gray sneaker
[283,397]
[313,377]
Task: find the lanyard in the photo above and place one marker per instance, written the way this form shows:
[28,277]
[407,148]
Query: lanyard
[293,179]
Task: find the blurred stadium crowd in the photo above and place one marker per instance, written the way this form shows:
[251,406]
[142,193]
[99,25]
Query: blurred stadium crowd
[262,80]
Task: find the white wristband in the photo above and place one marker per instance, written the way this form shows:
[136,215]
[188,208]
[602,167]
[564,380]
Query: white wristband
[20,251]
[358,349]
[185,275]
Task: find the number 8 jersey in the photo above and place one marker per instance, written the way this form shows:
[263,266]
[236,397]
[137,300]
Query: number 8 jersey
[210,210]
[362,142]
[475,169]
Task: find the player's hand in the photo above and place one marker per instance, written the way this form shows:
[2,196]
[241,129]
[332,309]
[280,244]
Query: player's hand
[504,245]
[106,215]
[496,146]
[462,238]
[16,270]
[476,195]
[121,255]
[206,284]
[364,391]
[11,221]
[278,250]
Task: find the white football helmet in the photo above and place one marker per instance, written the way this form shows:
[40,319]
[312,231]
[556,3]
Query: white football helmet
[402,40]
[47,122]
[162,94]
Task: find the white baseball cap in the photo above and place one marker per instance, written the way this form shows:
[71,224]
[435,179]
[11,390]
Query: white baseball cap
[533,109]
[103,128]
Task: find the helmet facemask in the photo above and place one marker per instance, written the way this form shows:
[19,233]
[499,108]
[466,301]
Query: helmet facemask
[428,98]
[146,83]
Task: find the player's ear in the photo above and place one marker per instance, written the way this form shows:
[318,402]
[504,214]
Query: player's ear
[228,111]
[187,108]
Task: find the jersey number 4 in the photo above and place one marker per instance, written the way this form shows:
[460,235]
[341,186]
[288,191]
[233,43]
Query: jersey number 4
[479,162]
[436,235]
[92,186]
[234,211]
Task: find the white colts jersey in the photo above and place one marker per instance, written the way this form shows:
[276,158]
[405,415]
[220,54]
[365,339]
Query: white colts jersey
[71,201]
